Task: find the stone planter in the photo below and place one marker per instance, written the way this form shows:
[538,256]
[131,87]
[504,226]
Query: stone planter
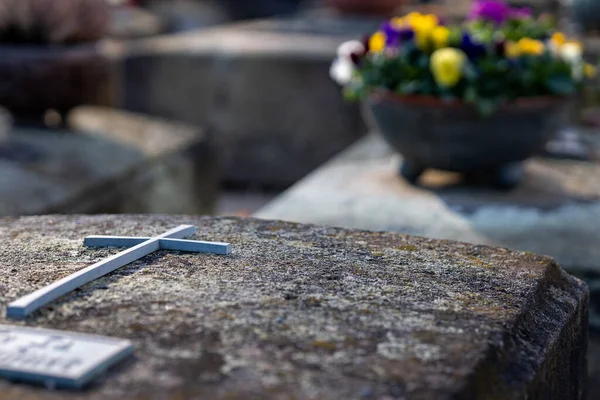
[371,7]
[429,133]
[38,78]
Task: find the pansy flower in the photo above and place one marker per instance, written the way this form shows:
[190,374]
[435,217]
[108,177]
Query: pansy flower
[397,32]
[532,47]
[377,42]
[423,25]
[447,66]
[440,36]
[352,50]
[490,10]
[472,48]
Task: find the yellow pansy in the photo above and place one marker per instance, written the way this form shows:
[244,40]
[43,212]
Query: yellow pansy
[398,22]
[412,16]
[512,50]
[447,65]
[423,25]
[589,70]
[558,39]
[531,46]
[377,42]
[429,20]
[440,35]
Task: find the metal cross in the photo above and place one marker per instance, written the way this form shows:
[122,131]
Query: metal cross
[138,248]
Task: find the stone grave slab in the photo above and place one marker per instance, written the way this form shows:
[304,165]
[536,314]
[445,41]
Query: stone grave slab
[555,211]
[261,88]
[317,312]
[110,161]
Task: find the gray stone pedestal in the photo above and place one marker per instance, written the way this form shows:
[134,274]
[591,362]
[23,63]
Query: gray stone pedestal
[305,311]
[109,161]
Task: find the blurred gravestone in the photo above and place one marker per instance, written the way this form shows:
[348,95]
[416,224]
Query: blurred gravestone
[109,162]
[185,15]
[263,89]
[253,9]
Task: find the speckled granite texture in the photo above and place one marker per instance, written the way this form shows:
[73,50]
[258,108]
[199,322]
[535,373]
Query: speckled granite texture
[306,312]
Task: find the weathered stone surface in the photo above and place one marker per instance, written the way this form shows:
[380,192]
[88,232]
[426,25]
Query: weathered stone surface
[307,312]
[555,211]
[262,90]
[111,162]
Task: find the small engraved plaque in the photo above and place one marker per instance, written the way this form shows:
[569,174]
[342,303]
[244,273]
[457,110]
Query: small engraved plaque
[57,358]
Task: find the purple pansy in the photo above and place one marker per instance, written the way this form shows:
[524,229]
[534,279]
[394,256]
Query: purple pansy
[356,58]
[406,34]
[492,10]
[396,35]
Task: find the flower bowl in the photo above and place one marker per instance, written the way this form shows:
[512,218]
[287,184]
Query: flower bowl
[477,97]
[429,133]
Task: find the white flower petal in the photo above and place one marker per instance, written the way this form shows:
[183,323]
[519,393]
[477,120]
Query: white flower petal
[348,48]
[571,52]
[342,71]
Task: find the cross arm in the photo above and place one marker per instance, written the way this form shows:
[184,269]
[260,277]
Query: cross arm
[124,241]
[113,241]
[194,246]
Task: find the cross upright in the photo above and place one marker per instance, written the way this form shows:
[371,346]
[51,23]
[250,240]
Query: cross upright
[138,248]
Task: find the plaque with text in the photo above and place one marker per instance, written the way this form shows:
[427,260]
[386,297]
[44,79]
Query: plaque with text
[57,358]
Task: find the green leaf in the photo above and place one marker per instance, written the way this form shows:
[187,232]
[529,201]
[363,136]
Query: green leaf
[469,72]
[561,85]
[350,94]
[470,95]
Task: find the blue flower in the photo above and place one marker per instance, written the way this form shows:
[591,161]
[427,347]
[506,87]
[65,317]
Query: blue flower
[472,48]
